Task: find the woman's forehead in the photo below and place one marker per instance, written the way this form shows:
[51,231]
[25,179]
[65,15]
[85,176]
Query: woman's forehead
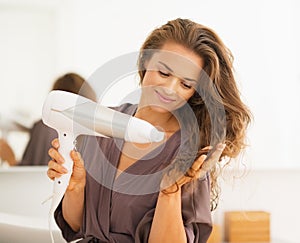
[180,64]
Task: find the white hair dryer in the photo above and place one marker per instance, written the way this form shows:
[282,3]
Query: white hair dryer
[72,115]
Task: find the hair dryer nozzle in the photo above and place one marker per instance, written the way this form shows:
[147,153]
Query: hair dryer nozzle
[156,136]
[143,131]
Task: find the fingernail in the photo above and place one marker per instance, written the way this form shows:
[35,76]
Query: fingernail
[64,170]
[74,154]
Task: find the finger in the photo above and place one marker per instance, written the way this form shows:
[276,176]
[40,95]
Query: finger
[76,157]
[171,182]
[213,157]
[207,148]
[55,143]
[58,168]
[201,157]
[52,174]
[210,160]
[184,180]
[192,171]
[198,162]
[201,161]
[204,150]
[55,155]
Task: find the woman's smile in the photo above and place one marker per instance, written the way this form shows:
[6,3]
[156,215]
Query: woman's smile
[164,98]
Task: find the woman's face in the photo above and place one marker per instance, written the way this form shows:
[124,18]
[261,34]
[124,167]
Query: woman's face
[170,78]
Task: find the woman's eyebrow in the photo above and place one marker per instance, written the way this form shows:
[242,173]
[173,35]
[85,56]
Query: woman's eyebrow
[185,78]
[166,66]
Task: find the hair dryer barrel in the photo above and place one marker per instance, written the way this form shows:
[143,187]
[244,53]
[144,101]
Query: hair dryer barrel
[111,123]
[65,111]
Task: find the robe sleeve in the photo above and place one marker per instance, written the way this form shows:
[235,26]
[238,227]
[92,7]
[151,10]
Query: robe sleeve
[196,214]
[67,232]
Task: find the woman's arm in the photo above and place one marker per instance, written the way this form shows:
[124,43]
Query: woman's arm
[73,201]
[167,225]
[72,208]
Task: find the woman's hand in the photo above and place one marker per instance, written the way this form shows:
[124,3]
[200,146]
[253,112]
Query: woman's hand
[199,168]
[56,168]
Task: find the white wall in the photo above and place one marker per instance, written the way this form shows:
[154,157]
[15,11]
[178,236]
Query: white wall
[271,190]
[28,56]
[28,47]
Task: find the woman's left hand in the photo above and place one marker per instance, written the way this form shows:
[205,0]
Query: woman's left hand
[199,168]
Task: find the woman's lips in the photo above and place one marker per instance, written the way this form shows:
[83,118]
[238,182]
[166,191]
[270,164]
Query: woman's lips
[164,98]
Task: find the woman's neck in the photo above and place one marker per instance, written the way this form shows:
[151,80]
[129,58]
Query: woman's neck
[165,121]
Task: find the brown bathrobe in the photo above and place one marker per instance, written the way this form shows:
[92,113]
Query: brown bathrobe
[121,210]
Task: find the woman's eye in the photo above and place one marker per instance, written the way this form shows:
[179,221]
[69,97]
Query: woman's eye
[163,73]
[187,86]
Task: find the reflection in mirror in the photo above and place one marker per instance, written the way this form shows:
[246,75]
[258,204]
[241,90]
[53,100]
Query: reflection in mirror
[28,53]
[8,126]
[41,136]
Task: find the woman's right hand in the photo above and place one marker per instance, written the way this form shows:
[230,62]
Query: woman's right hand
[56,168]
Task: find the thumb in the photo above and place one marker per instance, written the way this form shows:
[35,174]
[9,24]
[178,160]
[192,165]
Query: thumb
[77,159]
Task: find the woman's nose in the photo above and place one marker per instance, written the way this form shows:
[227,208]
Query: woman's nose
[171,85]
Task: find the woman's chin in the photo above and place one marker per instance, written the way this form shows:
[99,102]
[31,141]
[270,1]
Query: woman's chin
[161,109]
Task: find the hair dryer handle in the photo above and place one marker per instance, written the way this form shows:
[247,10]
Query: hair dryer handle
[66,145]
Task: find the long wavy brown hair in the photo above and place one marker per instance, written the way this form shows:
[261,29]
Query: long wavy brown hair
[218,66]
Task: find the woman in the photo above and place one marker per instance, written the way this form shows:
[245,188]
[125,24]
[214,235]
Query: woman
[186,79]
